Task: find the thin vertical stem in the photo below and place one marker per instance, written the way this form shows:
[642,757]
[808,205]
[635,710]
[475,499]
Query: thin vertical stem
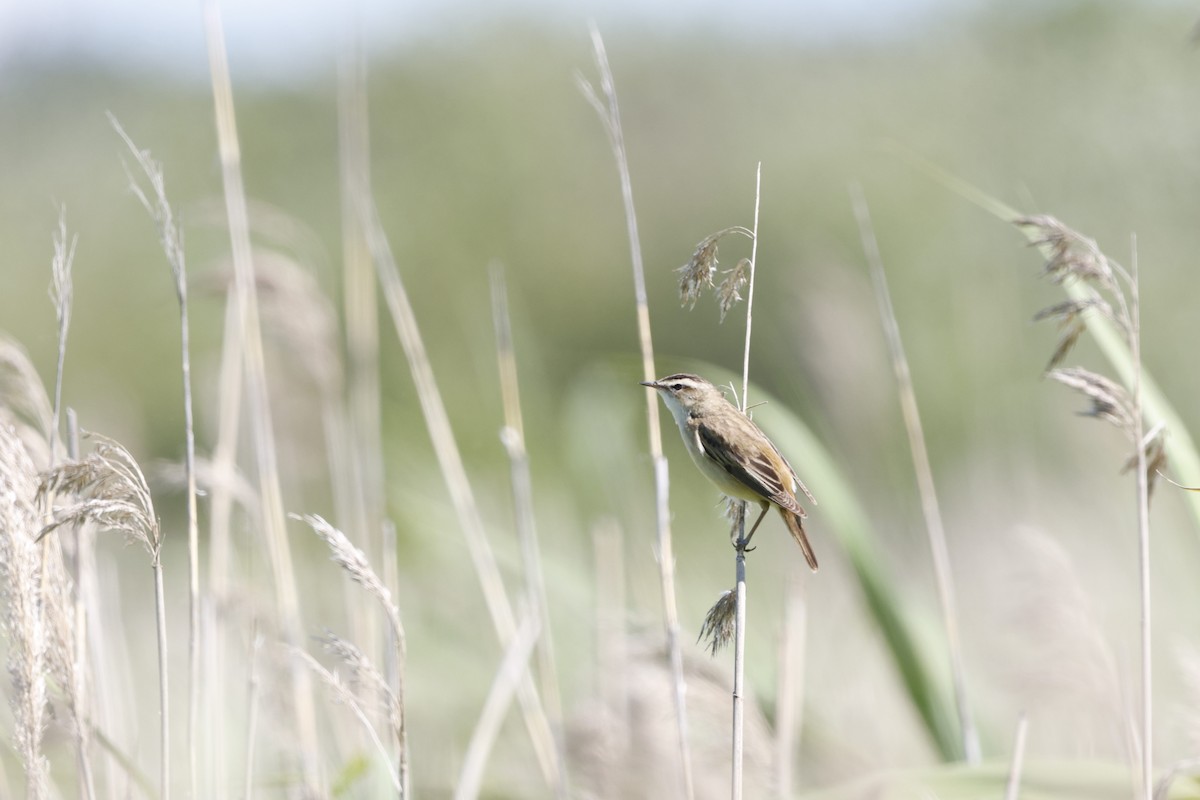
[170,235]
[739,667]
[193,534]
[252,703]
[397,656]
[750,290]
[924,473]
[513,438]
[84,561]
[358,444]
[220,545]
[513,666]
[274,527]
[454,473]
[160,608]
[62,292]
[739,651]
[1143,504]
[1012,789]
[605,104]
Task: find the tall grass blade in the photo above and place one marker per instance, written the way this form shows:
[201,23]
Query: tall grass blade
[924,472]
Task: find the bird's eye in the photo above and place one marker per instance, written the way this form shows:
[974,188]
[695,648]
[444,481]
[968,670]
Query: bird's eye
[675,387]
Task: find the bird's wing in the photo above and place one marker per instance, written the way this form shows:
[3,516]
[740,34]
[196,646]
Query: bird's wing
[764,471]
[799,483]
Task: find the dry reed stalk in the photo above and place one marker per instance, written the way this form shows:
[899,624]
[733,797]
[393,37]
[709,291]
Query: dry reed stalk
[739,652]
[1012,788]
[359,401]
[61,600]
[1099,285]
[252,702]
[66,669]
[605,104]
[296,313]
[110,491]
[461,494]
[372,685]
[391,581]
[274,528]
[221,503]
[170,234]
[22,617]
[358,568]
[513,667]
[61,294]
[82,678]
[346,697]
[1143,506]
[101,691]
[726,620]
[513,438]
[360,295]
[934,528]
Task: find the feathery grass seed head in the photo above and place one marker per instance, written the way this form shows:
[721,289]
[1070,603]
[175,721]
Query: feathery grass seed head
[718,627]
[729,292]
[699,271]
[1109,400]
[22,616]
[1072,255]
[109,490]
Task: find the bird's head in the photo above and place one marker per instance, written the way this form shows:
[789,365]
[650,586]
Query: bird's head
[684,390]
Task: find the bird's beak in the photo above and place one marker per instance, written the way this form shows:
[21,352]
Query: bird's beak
[651,384]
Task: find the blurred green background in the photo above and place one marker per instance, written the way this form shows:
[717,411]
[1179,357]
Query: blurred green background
[483,149]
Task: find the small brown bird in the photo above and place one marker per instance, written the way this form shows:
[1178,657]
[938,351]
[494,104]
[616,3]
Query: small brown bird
[733,453]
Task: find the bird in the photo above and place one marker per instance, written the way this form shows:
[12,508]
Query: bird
[734,454]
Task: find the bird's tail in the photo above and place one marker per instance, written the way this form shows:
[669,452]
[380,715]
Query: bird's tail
[796,526]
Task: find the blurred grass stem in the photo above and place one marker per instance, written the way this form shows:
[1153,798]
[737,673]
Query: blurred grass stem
[605,104]
[924,473]
[170,235]
[462,496]
[739,648]
[1012,789]
[513,438]
[274,528]
[62,291]
[1143,504]
[513,667]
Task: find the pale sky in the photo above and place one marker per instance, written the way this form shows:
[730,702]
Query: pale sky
[273,38]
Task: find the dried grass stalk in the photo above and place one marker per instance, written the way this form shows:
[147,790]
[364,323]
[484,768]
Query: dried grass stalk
[110,491]
[22,617]
[513,438]
[356,566]
[248,335]
[170,235]
[22,389]
[61,295]
[346,697]
[604,101]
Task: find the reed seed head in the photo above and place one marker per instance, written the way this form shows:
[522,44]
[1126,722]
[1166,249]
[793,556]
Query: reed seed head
[718,627]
